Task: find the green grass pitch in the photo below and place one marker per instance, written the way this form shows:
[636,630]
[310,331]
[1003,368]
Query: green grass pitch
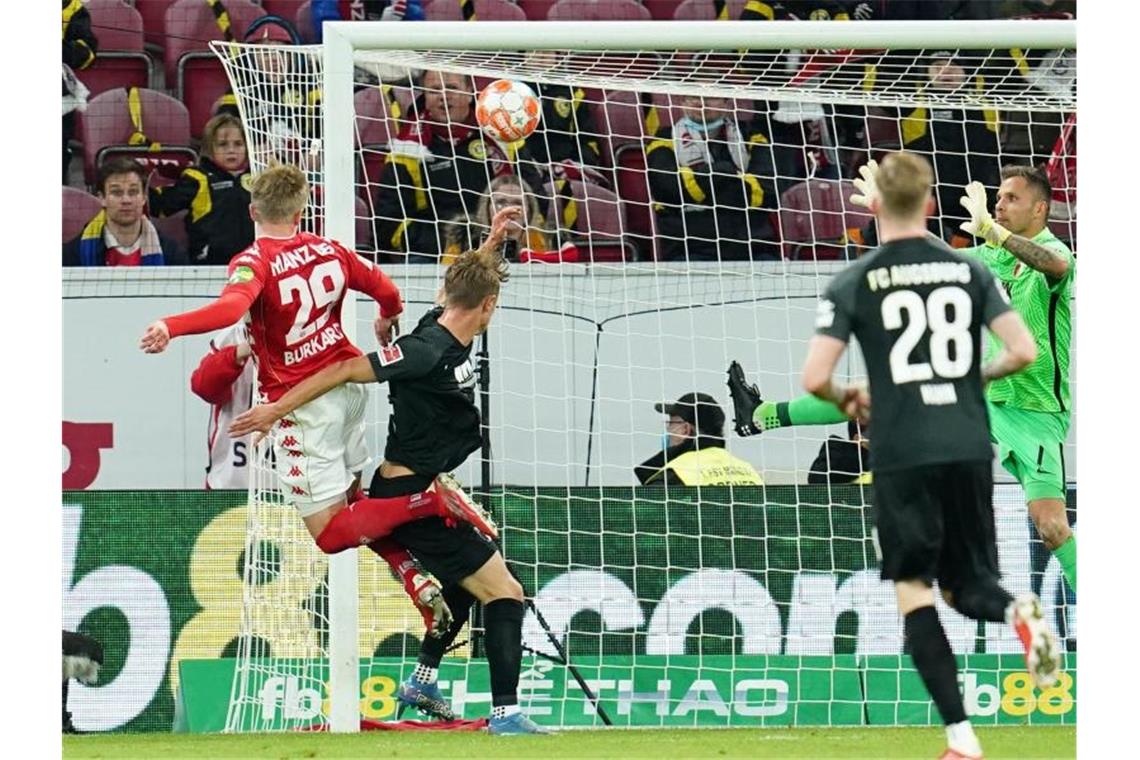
[791,743]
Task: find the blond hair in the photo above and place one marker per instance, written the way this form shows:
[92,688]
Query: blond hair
[474,276]
[904,182]
[216,125]
[279,193]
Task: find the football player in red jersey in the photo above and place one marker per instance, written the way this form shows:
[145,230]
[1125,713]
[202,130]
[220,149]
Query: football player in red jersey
[291,284]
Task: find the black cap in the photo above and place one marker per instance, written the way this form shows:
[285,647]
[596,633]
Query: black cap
[692,407]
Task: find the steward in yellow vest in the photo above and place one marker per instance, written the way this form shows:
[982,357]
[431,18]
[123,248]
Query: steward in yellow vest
[693,451]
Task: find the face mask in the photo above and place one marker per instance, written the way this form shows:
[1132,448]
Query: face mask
[665,441]
[707,126]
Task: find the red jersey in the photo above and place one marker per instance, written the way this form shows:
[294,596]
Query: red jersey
[293,288]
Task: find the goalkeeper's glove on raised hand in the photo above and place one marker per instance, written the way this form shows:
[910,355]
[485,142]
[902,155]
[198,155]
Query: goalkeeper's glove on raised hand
[867,184]
[981,224]
[745,399]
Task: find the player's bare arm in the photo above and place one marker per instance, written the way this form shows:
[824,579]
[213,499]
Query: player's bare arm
[1044,260]
[503,220]
[262,417]
[824,352]
[1018,349]
[982,224]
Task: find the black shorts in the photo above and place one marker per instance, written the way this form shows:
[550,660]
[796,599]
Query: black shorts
[449,553]
[936,522]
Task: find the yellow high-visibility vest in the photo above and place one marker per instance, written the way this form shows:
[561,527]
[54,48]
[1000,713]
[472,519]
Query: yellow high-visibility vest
[714,467]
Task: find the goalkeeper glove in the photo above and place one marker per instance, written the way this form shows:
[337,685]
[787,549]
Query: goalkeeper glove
[745,399]
[981,224]
[867,184]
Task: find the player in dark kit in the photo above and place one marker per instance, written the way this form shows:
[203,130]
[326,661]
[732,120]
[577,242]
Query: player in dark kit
[433,428]
[917,309]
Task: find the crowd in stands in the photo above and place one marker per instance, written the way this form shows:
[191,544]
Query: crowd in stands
[608,175]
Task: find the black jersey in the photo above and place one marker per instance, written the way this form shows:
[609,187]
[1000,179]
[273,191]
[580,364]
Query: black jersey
[917,308]
[434,424]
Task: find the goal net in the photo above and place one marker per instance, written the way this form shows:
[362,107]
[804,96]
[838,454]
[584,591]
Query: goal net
[686,202]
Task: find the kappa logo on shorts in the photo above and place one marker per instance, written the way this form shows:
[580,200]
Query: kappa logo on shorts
[389,355]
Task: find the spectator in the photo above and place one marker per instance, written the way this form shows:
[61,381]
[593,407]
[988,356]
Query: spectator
[523,241]
[286,113]
[843,460]
[226,380]
[438,168]
[82,659]
[694,448]
[961,144]
[121,235]
[216,193]
[79,49]
[711,180]
[364,10]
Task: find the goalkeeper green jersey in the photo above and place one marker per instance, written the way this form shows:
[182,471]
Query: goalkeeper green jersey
[1044,305]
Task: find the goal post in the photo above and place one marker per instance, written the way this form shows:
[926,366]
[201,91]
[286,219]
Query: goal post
[627,578]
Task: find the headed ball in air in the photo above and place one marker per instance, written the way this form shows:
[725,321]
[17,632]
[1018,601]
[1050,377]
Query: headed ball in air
[507,111]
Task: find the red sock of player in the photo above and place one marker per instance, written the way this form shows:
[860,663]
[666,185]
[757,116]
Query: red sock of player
[400,561]
[366,520]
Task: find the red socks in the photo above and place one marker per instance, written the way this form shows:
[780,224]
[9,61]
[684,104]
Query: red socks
[366,520]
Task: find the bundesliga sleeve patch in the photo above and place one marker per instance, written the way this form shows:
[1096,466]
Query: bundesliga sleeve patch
[389,355]
[240,275]
[824,314]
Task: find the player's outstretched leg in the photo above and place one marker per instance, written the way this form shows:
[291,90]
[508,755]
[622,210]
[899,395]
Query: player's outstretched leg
[420,690]
[459,506]
[421,589]
[752,415]
[1042,652]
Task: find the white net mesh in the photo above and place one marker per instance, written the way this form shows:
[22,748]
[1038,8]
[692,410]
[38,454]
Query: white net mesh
[682,212]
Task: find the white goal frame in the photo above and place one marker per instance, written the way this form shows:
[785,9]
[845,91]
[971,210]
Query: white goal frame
[342,40]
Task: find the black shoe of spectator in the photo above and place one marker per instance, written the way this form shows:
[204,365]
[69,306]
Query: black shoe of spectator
[745,399]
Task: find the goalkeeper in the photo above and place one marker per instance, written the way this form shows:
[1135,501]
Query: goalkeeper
[1029,411]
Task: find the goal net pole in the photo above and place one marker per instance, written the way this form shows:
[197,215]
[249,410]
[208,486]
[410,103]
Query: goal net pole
[340,212]
[701,35]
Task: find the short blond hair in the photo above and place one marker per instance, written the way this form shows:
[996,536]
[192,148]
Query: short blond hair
[904,182]
[474,276]
[279,193]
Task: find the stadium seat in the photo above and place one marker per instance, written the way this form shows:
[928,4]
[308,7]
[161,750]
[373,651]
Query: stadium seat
[703,10]
[121,61]
[1065,230]
[153,13]
[190,25]
[598,10]
[286,9]
[536,10]
[663,10]
[882,131]
[106,128]
[302,19]
[363,227]
[600,225]
[201,81]
[618,119]
[78,209]
[173,227]
[373,124]
[812,220]
[633,189]
[485,10]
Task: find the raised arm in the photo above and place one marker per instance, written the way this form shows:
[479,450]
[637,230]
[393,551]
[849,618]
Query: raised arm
[262,417]
[1045,260]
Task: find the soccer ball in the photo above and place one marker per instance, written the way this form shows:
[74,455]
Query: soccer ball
[507,111]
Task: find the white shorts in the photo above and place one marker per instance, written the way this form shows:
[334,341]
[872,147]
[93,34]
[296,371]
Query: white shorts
[320,447]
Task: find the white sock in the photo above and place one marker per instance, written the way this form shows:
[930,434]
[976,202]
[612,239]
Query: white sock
[961,737]
[425,674]
[504,711]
